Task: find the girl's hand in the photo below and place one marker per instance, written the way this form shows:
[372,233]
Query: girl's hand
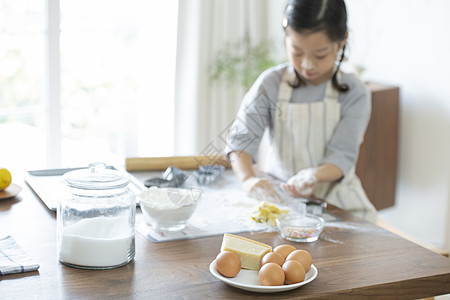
[302,184]
[261,189]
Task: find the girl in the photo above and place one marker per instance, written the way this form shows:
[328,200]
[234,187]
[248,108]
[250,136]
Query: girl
[315,115]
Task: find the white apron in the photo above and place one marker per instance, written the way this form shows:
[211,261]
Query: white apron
[299,138]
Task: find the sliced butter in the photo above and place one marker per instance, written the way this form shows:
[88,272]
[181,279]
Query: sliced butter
[249,251]
[268,213]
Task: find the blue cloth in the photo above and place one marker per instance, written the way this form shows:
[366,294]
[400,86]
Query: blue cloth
[13,259]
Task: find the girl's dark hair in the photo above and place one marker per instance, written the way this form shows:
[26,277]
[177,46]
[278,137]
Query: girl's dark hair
[316,15]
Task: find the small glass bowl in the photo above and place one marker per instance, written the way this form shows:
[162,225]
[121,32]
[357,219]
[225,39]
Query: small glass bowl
[300,228]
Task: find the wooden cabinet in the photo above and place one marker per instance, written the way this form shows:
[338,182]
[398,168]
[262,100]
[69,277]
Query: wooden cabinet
[377,163]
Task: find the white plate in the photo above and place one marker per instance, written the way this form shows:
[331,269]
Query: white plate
[248,280]
[11,191]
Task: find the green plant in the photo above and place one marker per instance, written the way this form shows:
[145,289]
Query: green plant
[241,62]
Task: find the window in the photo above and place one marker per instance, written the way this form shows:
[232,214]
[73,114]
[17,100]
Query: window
[114,80]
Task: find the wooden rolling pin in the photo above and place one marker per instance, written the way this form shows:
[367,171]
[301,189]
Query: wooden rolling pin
[181,162]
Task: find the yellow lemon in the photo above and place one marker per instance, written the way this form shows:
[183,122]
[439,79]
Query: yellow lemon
[5,178]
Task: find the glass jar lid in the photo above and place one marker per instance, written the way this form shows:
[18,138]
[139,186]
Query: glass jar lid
[96,177]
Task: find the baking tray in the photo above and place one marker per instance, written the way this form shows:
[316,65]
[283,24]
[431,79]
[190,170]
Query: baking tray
[50,187]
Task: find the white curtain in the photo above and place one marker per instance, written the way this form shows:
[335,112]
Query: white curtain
[203,111]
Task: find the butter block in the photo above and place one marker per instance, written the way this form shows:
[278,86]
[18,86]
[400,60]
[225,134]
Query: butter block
[250,252]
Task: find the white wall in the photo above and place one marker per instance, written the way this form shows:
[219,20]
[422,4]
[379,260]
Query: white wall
[406,43]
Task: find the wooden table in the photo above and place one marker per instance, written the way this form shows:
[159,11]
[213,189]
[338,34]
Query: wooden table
[355,259]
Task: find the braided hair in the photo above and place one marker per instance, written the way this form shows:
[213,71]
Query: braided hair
[314,16]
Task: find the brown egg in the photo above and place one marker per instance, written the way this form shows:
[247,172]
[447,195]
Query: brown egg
[271,274]
[284,250]
[302,256]
[294,272]
[228,263]
[272,257]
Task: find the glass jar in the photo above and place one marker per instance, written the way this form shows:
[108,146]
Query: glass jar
[96,220]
